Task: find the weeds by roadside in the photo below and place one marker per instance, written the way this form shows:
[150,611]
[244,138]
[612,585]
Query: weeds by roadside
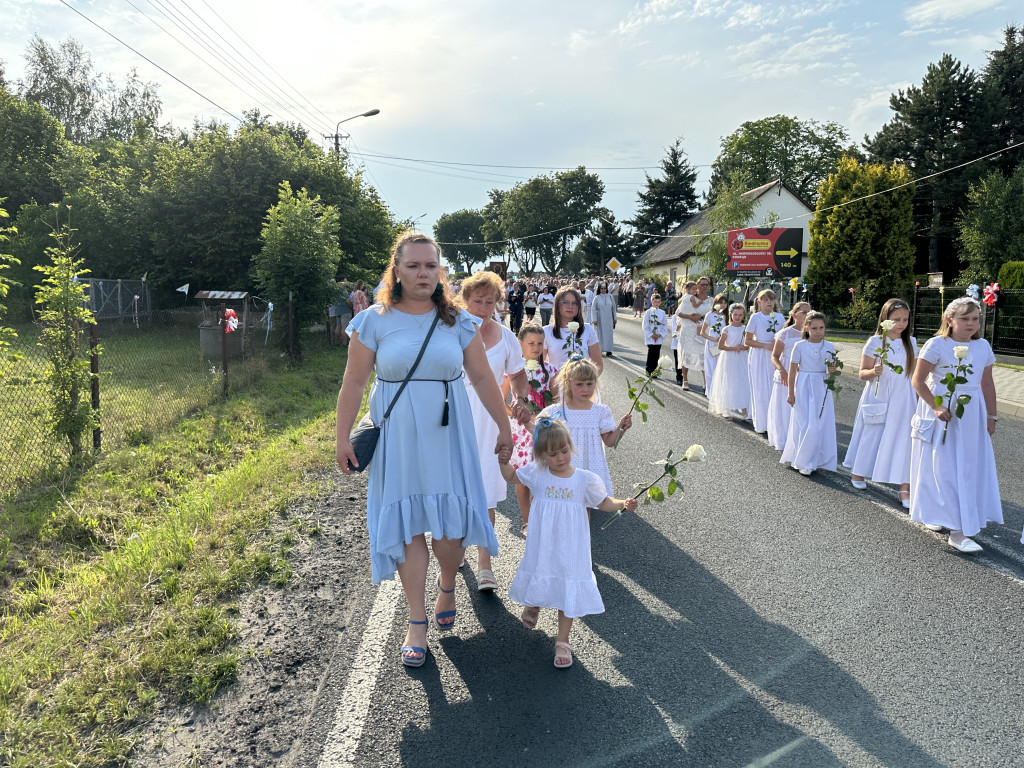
[118,585]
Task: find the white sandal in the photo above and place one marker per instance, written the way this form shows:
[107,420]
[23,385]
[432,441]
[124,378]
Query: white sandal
[485,581]
[560,646]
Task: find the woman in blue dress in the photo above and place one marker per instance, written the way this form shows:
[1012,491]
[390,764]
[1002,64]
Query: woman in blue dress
[425,475]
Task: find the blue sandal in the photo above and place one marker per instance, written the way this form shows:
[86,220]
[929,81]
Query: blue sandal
[408,660]
[445,614]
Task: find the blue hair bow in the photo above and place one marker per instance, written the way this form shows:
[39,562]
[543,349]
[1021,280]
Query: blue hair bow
[545,422]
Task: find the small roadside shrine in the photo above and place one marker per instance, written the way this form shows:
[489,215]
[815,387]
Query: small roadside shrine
[225,318]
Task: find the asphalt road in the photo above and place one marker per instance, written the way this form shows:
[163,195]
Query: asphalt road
[762,618]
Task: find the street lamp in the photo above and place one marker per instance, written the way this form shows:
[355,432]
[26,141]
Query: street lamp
[337,135]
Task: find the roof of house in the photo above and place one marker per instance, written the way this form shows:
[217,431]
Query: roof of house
[676,246]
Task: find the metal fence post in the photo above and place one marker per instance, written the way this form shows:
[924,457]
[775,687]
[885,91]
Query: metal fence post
[94,380]
[291,328]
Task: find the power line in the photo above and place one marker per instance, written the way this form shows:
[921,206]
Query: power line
[146,58]
[520,167]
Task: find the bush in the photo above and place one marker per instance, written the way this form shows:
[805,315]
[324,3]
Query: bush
[1011,275]
[861,313]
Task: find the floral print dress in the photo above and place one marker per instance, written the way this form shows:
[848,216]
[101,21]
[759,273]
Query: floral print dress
[522,438]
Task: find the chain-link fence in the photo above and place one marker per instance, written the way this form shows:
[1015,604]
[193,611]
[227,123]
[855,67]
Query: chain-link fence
[152,372]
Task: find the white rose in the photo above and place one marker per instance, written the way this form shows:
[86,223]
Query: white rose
[532,365]
[573,326]
[960,352]
[665,363]
[837,348]
[696,453]
[888,325]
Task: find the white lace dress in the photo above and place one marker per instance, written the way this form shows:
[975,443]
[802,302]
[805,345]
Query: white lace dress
[586,428]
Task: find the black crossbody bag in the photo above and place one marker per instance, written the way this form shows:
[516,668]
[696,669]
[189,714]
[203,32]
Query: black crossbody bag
[364,437]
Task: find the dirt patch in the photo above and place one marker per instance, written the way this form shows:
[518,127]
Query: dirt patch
[287,639]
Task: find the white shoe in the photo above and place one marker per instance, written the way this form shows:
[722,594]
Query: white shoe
[806,472]
[931,527]
[860,485]
[967,545]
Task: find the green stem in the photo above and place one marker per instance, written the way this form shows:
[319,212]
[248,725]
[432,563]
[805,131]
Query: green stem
[636,399]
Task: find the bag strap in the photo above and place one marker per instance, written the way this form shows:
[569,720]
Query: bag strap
[413,369]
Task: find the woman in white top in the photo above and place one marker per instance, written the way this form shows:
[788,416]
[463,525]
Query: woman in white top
[530,303]
[692,310]
[560,343]
[480,294]
[545,303]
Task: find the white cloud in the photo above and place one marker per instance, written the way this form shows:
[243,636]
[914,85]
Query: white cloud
[650,12]
[870,112]
[684,60]
[749,14]
[580,41]
[932,11]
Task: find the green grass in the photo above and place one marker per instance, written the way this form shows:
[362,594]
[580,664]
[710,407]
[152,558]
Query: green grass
[1011,367]
[149,378]
[119,583]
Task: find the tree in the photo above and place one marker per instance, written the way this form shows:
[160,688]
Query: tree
[300,255]
[603,242]
[63,315]
[860,243]
[462,234]
[1004,75]
[64,81]
[937,127]
[127,111]
[668,200]
[799,152]
[32,150]
[990,228]
[548,214]
[498,242]
[732,210]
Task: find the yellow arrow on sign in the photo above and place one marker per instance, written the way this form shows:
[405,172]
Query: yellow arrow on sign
[791,252]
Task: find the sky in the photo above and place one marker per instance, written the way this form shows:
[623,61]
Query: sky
[481,95]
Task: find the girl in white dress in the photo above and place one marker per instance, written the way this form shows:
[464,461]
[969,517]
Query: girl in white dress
[760,339]
[711,331]
[778,409]
[692,310]
[479,295]
[591,424]
[731,393]
[556,570]
[880,444]
[811,441]
[953,480]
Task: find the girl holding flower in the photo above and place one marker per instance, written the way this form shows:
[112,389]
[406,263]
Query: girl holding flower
[952,464]
[541,378]
[760,340]
[556,570]
[779,411]
[590,423]
[568,335]
[711,331]
[731,393]
[811,440]
[880,444]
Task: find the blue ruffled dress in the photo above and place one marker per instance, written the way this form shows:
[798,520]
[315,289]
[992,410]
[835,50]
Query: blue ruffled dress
[424,477]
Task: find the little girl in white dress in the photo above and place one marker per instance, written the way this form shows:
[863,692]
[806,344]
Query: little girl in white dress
[779,410]
[811,441]
[556,570]
[760,340]
[590,424]
[730,394]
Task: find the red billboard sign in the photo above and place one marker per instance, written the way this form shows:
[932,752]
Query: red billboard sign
[764,252]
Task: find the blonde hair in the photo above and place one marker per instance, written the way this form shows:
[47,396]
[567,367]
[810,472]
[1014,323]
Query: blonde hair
[958,307]
[767,293]
[551,437]
[480,281]
[575,370]
[390,292]
[793,310]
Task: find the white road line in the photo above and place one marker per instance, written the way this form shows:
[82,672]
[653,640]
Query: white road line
[354,704]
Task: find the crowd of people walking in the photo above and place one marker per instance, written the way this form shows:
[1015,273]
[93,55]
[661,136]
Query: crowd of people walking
[491,405]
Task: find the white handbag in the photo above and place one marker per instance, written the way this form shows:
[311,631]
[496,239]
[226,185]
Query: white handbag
[874,413]
[922,428]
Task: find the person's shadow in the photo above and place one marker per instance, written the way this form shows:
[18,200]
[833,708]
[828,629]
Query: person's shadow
[718,669]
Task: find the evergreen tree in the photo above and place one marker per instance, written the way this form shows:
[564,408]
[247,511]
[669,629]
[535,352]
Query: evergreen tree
[602,242]
[990,228]
[944,122]
[1004,75]
[862,244]
[667,200]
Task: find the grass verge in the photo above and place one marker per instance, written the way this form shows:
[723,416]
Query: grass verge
[118,584]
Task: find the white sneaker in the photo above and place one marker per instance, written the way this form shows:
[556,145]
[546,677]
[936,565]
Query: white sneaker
[860,485]
[967,545]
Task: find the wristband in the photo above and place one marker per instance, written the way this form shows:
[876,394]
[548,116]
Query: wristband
[993,418]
